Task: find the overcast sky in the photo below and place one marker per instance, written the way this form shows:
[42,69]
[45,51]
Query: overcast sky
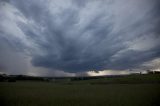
[69,37]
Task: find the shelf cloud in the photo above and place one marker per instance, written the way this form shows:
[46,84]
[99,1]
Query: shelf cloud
[72,36]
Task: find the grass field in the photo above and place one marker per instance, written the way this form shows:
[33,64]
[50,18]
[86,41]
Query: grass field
[82,93]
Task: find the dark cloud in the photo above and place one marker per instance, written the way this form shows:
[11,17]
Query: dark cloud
[133,59]
[83,35]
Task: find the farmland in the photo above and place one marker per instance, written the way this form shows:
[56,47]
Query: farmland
[137,90]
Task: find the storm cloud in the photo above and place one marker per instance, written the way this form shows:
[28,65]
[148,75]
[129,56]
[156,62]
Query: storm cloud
[79,35]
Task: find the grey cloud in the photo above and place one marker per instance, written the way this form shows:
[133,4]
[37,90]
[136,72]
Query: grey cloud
[11,61]
[84,35]
[133,59]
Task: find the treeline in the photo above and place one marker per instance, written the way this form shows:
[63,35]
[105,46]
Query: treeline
[14,78]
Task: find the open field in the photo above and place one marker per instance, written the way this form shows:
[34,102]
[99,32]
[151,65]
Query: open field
[94,92]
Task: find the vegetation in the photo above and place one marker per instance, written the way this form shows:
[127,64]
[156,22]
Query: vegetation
[132,90]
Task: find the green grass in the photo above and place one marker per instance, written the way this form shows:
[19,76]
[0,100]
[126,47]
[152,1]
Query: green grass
[29,93]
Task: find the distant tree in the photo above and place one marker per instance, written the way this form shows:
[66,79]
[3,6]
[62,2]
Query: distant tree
[11,80]
[150,72]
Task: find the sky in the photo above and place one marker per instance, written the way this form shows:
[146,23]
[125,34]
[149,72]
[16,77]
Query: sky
[79,37]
